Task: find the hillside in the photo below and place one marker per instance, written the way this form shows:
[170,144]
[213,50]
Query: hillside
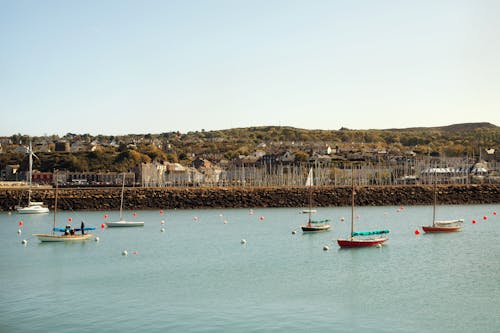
[120,153]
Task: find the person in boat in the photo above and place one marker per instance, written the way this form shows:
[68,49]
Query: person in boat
[82,228]
[67,230]
[72,232]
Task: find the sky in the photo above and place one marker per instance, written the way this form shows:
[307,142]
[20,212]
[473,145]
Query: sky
[117,67]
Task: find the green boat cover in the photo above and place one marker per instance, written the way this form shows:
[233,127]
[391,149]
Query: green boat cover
[319,221]
[369,233]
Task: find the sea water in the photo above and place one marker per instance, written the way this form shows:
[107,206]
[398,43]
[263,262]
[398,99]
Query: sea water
[241,270]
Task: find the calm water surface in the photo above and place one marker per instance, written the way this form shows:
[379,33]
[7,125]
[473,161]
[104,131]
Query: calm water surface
[196,276]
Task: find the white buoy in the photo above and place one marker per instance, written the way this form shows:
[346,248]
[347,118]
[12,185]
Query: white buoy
[24,242]
[162,229]
[162,222]
[124,253]
[294,232]
[243,241]
[342,219]
[19,231]
[379,245]
[96,238]
[326,248]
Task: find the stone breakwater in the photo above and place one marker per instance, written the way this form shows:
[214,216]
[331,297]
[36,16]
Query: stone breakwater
[196,198]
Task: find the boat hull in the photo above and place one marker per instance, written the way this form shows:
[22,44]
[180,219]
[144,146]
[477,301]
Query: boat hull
[441,229]
[124,224]
[33,210]
[347,243]
[318,228]
[63,238]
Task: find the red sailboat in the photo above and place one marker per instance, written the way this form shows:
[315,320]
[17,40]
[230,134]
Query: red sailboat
[362,238]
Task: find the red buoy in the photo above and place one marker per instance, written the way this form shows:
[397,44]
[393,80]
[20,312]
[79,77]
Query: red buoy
[161,212]
[485,217]
[70,219]
[494,213]
[473,221]
[102,225]
[417,232]
[134,214]
[20,223]
[105,216]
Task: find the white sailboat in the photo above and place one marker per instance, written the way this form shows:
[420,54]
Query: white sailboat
[442,225]
[361,238]
[313,225]
[122,222]
[32,207]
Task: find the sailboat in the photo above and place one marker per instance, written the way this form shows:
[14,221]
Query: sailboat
[313,225]
[67,235]
[362,238]
[442,226]
[32,207]
[122,222]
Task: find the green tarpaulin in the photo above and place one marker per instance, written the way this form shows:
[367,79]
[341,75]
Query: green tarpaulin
[319,221]
[369,233]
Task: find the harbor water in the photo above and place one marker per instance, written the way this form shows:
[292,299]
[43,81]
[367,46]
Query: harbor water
[241,270]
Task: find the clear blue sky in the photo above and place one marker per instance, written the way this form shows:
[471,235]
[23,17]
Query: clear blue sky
[122,67]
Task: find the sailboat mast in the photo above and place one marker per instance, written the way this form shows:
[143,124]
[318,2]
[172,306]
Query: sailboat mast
[55,202]
[310,197]
[352,200]
[30,172]
[434,207]
[121,200]
[309,184]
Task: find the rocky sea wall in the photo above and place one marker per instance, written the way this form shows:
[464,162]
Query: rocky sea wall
[196,198]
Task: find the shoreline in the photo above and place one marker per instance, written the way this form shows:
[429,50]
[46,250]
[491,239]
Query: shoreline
[241,197]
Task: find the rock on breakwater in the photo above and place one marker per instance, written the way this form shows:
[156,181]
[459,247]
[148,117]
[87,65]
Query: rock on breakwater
[190,198]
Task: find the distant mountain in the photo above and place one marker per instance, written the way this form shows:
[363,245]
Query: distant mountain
[450,128]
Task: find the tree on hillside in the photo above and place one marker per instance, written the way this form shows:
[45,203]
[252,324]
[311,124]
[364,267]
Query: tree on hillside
[129,159]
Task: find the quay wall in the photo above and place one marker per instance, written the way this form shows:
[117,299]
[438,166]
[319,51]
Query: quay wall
[197,198]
